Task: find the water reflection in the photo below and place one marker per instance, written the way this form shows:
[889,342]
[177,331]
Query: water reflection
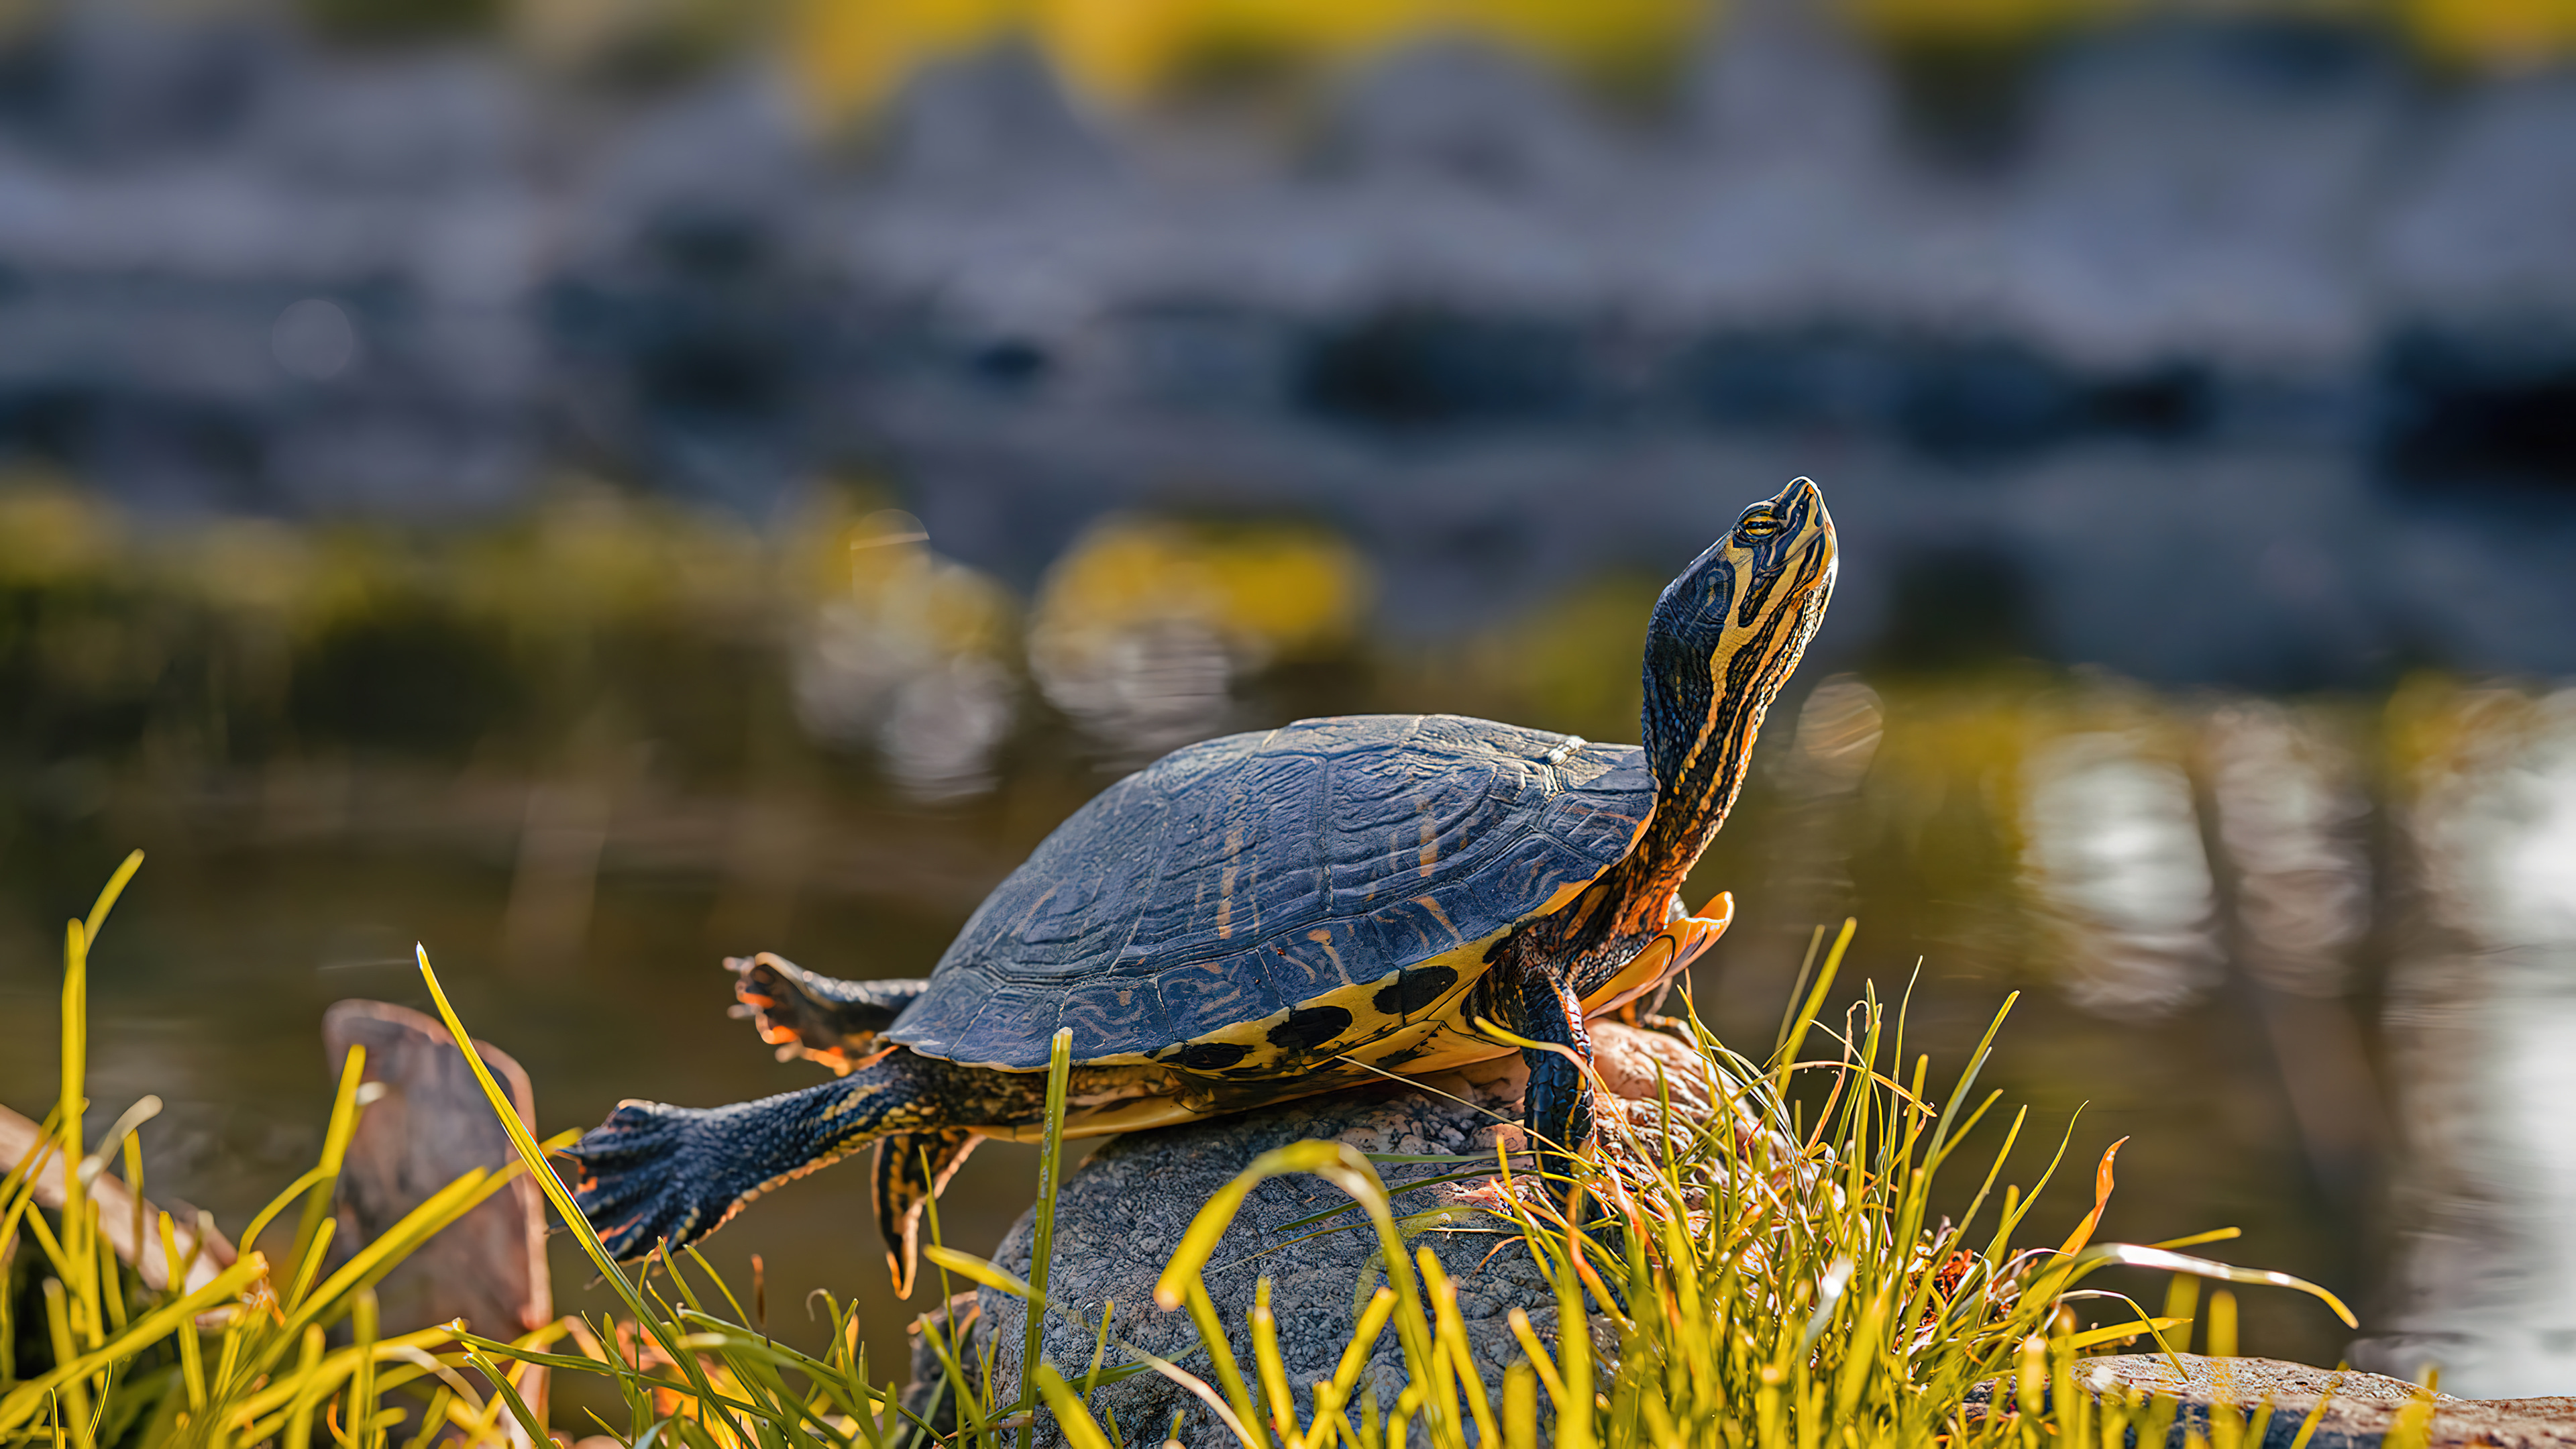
[2482,1004]
[2290,817]
[907,660]
[648,740]
[1141,631]
[2112,848]
[1839,729]
[2496,820]
[2291,828]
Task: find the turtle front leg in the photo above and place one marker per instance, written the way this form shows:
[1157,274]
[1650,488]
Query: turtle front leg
[804,1014]
[1558,1106]
[655,1174]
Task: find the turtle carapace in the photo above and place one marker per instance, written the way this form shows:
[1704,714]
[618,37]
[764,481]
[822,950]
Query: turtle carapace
[1271,915]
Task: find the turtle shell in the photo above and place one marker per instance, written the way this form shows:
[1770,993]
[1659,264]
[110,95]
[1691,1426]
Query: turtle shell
[1247,904]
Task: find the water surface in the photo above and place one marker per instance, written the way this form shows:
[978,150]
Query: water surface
[2303,937]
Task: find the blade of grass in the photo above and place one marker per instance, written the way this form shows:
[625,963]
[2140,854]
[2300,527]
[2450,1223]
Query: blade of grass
[1042,1245]
[533,1158]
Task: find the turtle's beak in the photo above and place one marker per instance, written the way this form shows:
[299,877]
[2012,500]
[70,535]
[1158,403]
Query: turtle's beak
[1801,508]
[1807,532]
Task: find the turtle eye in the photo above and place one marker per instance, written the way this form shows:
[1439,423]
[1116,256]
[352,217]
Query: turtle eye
[1759,522]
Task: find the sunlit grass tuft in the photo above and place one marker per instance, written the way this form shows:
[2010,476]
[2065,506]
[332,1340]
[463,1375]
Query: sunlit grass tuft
[1770,1278]
[1776,1283]
[275,1347]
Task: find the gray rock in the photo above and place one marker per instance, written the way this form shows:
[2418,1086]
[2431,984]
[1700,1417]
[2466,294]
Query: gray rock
[1463,113]
[926,1399]
[1119,1218]
[999,119]
[2186,195]
[2361,1410]
[2475,241]
[1780,77]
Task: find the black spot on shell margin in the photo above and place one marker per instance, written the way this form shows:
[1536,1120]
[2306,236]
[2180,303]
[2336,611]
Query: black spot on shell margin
[1414,990]
[1310,1027]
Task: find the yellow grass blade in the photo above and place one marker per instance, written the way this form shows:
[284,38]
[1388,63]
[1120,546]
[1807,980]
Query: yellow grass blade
[2131,1255]
[22,1402]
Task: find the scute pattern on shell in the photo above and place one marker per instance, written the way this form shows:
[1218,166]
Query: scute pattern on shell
[1244,876]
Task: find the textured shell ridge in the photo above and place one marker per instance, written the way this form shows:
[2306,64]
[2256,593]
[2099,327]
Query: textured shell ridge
[1236,883]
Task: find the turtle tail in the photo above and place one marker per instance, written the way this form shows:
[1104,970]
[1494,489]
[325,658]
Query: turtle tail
[654,1174]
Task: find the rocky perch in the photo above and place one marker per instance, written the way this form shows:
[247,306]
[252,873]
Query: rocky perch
[1129,1205]
[2362,1410]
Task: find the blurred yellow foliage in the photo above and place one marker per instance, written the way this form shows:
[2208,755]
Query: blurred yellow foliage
[251,566]
[897,580]
[2487,32]
[852,54]
[2493,32]
[845,556]
[591,555]
[2439,728]
[51,535]
[1572,666]
[1268,592]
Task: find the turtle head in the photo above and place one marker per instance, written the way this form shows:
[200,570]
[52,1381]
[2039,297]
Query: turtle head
[1725,636]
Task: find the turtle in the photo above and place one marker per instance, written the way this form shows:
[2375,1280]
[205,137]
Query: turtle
[1272,915]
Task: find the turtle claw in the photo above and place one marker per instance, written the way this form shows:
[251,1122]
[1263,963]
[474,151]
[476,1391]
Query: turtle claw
[639,1171]
[778,1005]
[768,993]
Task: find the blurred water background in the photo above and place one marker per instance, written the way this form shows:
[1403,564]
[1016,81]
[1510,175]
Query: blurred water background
[597,485]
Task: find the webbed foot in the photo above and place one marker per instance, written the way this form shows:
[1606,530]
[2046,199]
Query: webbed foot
[652,1174]
[649,1176]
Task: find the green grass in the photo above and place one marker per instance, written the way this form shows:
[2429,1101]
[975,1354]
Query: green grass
[1777,1280]
[275,1348]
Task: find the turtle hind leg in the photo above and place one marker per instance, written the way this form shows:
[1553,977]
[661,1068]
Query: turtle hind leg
[804,1014]
[655,1174]
[912,1168]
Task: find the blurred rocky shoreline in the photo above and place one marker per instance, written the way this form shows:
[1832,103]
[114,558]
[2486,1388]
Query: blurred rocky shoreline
[2168,272]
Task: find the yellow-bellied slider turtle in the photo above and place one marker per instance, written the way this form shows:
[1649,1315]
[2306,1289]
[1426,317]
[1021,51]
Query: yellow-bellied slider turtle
[1272,915]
